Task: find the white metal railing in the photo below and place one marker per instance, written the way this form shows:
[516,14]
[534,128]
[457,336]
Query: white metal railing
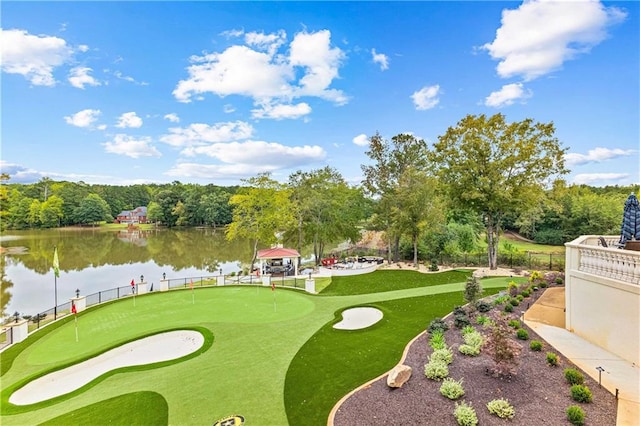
[613,263]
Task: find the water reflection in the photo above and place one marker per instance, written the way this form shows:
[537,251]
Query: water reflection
[96,259]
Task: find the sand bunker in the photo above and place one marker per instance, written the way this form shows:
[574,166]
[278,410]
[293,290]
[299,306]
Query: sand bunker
[357,318]
[156,348]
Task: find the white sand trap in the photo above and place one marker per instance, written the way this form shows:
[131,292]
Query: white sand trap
[357,318]
[156,348]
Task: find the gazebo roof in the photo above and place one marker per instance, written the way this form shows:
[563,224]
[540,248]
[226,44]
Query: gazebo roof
[277,253]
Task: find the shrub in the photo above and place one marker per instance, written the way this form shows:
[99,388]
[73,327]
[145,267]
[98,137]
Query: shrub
[522,334]
[474,339]
[468,329]
[501,299]
[444,355]
[436,370]
[501,408]
[451,389]
[514,323]
[508,308]
[552,359]
[526,293]
[437,340]
[483,306]
[543,284]
[559,281]
[520,298]
[482,319]
[437,324]
[575,415]
[472,290]
[581,393]
[512,288]
[465,414]
[469,350]
[514,301]
[503,350]
[573,376]
[434,265]
[535,345]
[461,321]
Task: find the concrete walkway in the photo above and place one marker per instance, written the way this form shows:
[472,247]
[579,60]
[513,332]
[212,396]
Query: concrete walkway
[546,317]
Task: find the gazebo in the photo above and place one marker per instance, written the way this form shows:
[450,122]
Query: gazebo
[277,259]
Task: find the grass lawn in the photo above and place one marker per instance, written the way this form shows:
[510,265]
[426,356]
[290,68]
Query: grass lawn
[270,351]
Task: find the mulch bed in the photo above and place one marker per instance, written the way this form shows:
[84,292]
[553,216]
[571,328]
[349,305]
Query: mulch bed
[539,393]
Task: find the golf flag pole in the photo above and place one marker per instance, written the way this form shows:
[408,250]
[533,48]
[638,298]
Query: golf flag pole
[74,311]
[273,290]
[56,274]
[133,290]
[193,298]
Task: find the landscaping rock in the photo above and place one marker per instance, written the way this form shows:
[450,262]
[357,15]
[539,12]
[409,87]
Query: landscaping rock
[398,376]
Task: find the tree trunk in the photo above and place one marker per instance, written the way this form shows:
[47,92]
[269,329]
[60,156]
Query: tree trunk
[396,248]
[492,242]
[300,241]
[315,249]
[415,251]
[389,248]
[255,255]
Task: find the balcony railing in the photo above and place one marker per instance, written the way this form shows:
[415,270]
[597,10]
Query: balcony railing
[586,254]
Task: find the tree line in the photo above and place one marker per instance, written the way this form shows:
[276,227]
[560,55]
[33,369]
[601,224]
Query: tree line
[482,177]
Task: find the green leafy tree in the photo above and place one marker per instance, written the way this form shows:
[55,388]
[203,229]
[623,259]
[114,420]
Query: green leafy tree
[154,212]
[262,211]
[93,209]
[180,212]
[34,214]
[167,200]
[4,201]
[381,179]
[51,212]
[493,167]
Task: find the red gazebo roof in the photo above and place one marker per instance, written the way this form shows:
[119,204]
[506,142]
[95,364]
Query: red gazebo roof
[277,253]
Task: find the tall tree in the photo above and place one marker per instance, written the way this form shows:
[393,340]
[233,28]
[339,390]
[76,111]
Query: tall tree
[381,179]
[419,209]
[262,211]
[493,167]
[92,209]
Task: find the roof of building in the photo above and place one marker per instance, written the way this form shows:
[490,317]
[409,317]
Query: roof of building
[277,253]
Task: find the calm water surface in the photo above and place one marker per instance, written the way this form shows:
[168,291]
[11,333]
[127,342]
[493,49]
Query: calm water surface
[92,260]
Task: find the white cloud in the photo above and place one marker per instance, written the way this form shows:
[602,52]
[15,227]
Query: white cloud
[539,36]
[507,95]
[361,140]
[173,117]
[259,153]
[427,97]
[79,77]
[131,147]
[279,112]
[34,57]
[258,71]
[84,118]
[601,178]
[118,74]
[597,155]
[216,171]
[129,119]
[200,134]
[228,108]
[380,58]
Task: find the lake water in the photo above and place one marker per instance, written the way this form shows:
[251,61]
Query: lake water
[93,260]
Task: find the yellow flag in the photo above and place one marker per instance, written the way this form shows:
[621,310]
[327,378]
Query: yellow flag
[56,264]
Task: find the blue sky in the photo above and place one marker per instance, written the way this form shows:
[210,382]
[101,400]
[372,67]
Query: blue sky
[214,92]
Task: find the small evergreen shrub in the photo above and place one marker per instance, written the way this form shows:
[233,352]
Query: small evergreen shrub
[535,345]
[501,408]
[474,339]
[437,340]
[522,334]
[552,359]
[452,389]
[483,306]
[465,414]
[469,350]
[461,321]
[520,298]
[437,324]
[526,293]
[434,265]
[543,284]
[581,393]
[573,376]
[575,415]
[436,370]
[508,307]
[559,281]
[514,301]
[514,323]
[444,355]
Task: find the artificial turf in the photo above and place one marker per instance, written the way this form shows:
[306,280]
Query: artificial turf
[259,336]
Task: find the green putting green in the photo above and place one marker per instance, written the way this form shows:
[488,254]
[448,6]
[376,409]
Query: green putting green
[260,337]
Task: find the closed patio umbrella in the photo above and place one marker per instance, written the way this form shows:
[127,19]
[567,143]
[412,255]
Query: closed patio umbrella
[630,220]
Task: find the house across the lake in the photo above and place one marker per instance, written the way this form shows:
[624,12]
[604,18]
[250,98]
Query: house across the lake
[135,216]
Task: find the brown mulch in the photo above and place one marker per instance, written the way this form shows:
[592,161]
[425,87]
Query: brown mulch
[539,393]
